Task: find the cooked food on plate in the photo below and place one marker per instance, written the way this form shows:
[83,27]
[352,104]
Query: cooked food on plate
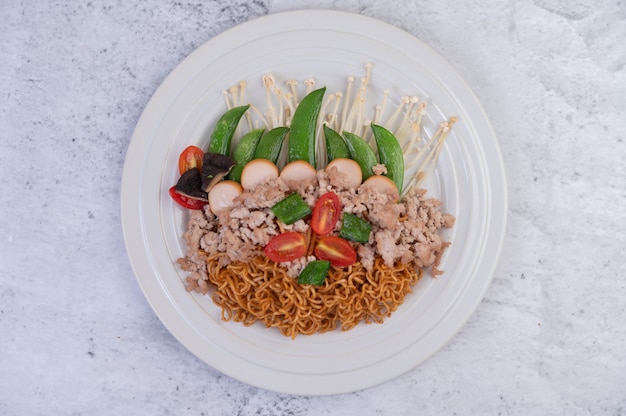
[305,217]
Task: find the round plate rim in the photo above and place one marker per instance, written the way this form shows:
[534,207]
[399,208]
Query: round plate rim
[171,315]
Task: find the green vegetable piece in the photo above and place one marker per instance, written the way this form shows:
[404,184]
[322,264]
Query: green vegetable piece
[303,126]
[225,129]
[291,209]
[314,273]
[244,152]
[355,228]
[335,145]
[390,154]
[361,152]
[270,144]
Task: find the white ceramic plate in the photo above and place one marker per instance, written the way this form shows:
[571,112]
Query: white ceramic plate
[328,46]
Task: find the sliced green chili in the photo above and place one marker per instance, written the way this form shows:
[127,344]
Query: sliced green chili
[335,145]
[355,228]
[314,273]
[390,153]
[303,126]
[291,209]
[271,143]
[361,152]
[225,129]
[244,152]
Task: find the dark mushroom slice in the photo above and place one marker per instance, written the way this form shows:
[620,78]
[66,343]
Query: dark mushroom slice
[190,185]
[214,167]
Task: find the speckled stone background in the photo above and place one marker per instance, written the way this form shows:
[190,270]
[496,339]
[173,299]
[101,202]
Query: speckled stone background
[77,335]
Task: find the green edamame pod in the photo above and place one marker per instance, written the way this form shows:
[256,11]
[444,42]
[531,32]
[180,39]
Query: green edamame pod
[225,129]
[390,154]
[270,144]
[303,126]
[361,152]
[244,152]
[335,146]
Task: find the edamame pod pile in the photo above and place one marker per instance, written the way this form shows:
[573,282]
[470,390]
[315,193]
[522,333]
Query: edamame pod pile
[301,142]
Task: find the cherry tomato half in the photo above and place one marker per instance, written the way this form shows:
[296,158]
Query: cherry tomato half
[286,247]
[190,158]
[338,251]
[325,213]
[184,201]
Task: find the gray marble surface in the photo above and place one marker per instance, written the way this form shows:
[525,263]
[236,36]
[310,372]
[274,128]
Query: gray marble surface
[77,335]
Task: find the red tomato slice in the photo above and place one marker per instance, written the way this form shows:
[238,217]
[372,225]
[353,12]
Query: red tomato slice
[338,251]
[184,201]
[286,247]
[190,158]
[325,213]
